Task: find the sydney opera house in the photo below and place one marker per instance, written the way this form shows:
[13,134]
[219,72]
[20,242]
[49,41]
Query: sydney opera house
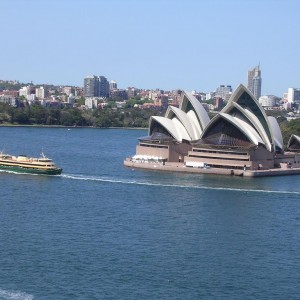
[239,140]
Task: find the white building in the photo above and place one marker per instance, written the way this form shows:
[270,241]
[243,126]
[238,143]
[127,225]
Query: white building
[293,95]
[25,91]
[209,96]
[67,90]
[91,103]
[71,99]
[284,97]
[224,91]
[267,101]
[40,93]
[287,105]
[113,85]
[8,99]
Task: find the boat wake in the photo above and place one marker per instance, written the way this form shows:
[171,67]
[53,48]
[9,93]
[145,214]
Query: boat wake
[154,184]
[14,295]
[25,174]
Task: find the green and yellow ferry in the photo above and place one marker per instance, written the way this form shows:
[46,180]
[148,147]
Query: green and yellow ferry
[25,164]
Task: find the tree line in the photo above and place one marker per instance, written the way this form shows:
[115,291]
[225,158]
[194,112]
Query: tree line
[107,117]
[104,118]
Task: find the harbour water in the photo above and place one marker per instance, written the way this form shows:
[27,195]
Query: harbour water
[103,231]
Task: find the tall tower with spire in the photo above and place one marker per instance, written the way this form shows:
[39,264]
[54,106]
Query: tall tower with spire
[254,81]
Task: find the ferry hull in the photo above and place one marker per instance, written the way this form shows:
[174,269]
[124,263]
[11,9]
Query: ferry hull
[18,169]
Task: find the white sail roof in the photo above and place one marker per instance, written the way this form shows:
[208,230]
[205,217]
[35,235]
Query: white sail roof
[251,107]
[186,122]
[173,126]
[191,124]
[195,124]
[294,139]
[201,113]
[244,127]
[256,124]
[278,139]
[242,105]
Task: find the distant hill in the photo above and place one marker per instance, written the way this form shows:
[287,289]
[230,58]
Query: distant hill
[10,85]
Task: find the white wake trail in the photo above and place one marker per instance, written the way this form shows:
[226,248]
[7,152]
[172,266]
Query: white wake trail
[14,295]
[122,181]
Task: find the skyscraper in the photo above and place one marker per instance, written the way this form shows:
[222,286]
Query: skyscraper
[254,81]
[91,86]
[96,86]
[103,87]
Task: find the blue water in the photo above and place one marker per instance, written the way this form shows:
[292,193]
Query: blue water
[102,231]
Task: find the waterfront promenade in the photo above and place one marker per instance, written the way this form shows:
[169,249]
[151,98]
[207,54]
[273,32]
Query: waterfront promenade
[180,167]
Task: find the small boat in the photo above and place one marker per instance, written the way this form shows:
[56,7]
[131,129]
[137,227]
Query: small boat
[25,164]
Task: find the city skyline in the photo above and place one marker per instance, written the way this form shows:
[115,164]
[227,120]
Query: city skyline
[163,44]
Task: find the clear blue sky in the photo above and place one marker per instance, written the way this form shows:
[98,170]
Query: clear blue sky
[190,44]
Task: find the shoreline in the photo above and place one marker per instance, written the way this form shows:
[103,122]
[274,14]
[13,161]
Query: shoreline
[73,127]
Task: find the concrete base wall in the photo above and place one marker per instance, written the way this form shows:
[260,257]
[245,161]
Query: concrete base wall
[172,152]
[153,151]
[252,162]
[180,167]
[253,159]
[287,160]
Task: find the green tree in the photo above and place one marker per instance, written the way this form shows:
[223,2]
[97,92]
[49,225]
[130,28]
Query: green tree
[21,117]
[289,128]
[72,117]
[53,116]
[80,101]
[38,114]
[103,121]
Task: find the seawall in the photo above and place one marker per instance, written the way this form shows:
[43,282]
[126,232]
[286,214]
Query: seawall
[180,167]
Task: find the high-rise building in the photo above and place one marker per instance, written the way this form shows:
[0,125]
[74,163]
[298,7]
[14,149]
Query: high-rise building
[91,86]
[293,95]
[96,86]
[103,87]
[254,81]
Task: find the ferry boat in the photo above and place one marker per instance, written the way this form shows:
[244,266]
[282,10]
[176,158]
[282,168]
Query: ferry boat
[25,164]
